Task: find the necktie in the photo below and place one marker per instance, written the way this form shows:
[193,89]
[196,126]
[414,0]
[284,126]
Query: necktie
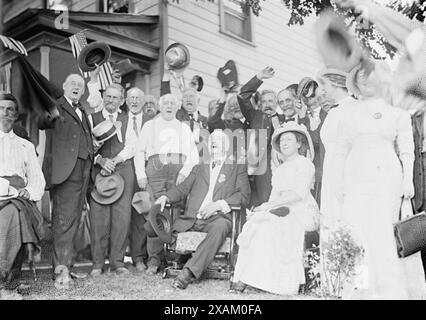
[289,119]
[135,126]
[111,117]
[191,121]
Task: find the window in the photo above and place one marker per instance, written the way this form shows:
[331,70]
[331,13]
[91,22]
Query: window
[116,6]
[235,20]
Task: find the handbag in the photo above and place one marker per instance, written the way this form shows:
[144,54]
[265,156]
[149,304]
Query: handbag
[410,233]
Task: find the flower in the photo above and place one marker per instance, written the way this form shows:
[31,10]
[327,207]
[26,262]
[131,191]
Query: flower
[221,178]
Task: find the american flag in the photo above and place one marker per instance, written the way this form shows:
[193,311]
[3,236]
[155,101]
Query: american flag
[78,42]
[14,45]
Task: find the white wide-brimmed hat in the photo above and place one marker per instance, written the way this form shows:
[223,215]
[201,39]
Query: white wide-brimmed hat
[293,126]
[6,190]
[106,130]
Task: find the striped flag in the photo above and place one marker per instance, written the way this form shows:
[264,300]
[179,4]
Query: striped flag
[14,45]
[78,42]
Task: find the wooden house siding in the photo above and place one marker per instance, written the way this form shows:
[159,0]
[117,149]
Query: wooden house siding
[290,50]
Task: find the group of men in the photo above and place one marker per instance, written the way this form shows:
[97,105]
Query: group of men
[126,142]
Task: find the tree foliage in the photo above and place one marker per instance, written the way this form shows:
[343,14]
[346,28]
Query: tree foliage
[367,34]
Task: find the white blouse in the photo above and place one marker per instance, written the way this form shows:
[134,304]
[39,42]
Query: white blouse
[18,157]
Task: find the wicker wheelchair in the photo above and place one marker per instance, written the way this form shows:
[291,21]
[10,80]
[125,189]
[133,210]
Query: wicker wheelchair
[187,242]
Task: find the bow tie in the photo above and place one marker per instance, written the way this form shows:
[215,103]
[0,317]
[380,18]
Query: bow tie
[77,105]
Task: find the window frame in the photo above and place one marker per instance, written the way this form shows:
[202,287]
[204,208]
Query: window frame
[222,26]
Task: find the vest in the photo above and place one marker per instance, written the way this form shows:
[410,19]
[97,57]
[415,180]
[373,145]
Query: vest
[112,147]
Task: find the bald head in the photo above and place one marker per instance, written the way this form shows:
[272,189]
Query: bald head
[73,87]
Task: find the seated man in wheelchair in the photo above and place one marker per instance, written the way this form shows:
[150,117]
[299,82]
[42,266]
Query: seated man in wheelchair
[211,189]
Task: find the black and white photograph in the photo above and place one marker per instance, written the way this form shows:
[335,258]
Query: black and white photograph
[234,151]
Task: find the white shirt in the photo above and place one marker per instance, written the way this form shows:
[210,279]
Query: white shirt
[77,110]
[139,119]
[95,98]
[159,136]
[314,119]
[214,174]
[18,157]
[129,149]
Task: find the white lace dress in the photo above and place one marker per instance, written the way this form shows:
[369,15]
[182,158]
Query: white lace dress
[270,253]
[372,132]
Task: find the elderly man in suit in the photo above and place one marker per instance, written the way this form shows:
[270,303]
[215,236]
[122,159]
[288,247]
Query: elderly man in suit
[112,220]
[316,101]
[234,123]
[141,109]
[67,166]
[263,121]
[21,184]
[212,188]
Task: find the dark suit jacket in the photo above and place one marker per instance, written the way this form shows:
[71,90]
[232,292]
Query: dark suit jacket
[318,145]
[234,189]
[418,175]
[62,144]
[215,121]
[182,115]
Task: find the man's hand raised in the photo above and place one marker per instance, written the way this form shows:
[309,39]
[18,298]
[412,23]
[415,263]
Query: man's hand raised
[266,73]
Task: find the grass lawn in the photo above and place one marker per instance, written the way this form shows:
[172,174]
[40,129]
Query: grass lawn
[139,286]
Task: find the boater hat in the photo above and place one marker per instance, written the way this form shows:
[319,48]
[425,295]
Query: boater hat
[293,126]
[161,222]
[93,55]
[106,130]
[6,190]
[177,56]
[108,189]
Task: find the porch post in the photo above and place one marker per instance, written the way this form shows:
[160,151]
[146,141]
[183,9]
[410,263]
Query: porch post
[44,204]
[44,70]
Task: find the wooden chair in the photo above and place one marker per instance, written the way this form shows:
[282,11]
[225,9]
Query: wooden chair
[187,242]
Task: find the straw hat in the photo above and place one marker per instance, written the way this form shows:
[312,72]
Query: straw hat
[293,126]
[106,130]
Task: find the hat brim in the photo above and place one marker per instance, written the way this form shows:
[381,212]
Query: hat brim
[108,200]
[89,49]
[161,222]
[300,129]
[117,126]
[351,81]
[141,205]
[185,49]
[12,193]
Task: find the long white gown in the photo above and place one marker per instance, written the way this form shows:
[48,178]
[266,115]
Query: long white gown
[372,132]
[330,133]
[270,253]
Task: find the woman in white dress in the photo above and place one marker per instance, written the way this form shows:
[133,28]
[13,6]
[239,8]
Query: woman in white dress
[333,82]
[377,143]
[270,253]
